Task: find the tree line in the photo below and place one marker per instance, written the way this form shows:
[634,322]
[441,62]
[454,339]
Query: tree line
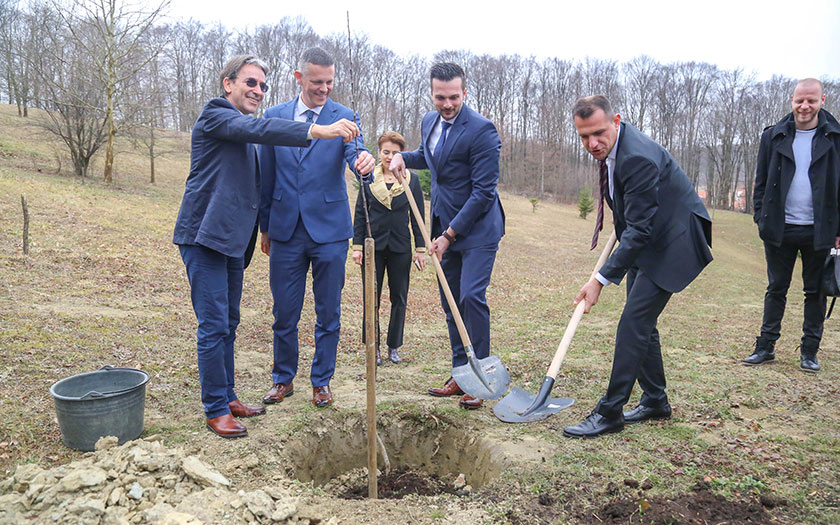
[103,68]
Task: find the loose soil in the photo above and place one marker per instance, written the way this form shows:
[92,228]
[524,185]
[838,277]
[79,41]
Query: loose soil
[403,482]
[697,508]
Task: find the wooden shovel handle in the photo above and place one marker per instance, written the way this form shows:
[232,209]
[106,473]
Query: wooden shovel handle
[573,323]
[453,305]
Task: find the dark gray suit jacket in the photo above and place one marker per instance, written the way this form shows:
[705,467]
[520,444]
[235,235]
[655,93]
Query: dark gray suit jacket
[661,223]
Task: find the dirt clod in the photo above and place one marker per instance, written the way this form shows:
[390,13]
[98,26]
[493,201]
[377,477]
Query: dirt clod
[771,501]
[632,483]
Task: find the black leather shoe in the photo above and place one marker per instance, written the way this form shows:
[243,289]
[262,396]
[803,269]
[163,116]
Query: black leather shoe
[758,358]
[393,356]
[809,364]
[763,352]
[594,425]
[643,413]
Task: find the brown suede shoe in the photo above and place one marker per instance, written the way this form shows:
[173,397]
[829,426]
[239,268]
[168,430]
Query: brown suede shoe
[227,427]
[322,396]
[469,402]
[450,388]
[240,409]
[278,393]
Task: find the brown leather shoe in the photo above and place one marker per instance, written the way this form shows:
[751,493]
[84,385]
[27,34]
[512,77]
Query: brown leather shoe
[227,427]
[240,409]
[278,393]
[469,402]
[450,388]
[322,396]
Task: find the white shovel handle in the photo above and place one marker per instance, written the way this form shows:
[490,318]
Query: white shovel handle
[573,323]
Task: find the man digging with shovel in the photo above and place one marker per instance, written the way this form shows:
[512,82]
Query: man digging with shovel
[461,149]
[665,234]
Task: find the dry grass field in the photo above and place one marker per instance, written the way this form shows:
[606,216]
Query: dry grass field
[104,285]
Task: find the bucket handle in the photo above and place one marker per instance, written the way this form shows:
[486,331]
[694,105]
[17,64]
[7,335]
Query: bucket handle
[93,394]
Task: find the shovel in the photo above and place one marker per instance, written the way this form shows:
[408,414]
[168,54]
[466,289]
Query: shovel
[480,378]
[523,407]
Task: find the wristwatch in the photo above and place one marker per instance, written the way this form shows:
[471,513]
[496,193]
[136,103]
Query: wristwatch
[448,237]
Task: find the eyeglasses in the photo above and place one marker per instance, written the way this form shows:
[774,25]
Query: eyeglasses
[252,83]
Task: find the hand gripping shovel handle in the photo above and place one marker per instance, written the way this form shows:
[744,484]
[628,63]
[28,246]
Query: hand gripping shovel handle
[563,347]
[453,306]
[548,383]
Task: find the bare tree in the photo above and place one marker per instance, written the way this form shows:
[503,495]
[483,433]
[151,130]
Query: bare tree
[111,33]
[696,80]
[639,80]
[722,140]
[710,119]
[73,102]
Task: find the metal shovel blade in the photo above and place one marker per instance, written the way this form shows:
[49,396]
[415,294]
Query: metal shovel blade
[512,407]
[483,378]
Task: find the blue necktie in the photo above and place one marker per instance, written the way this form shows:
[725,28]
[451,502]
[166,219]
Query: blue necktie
[310,118]
[441,141]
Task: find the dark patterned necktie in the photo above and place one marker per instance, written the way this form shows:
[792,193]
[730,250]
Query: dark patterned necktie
[603,174]
[310,118]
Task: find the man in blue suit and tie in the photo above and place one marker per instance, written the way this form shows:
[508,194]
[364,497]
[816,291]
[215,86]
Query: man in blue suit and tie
[305,220]
[216,226]
[461,149]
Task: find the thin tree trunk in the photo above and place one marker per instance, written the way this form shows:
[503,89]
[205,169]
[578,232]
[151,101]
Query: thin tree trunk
[25,225]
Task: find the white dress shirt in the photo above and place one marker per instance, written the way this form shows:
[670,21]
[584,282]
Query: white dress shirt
[300,114]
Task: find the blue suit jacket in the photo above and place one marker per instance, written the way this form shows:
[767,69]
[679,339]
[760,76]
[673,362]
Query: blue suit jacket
[219,208]
[661,223]
[310,186]
[464,179]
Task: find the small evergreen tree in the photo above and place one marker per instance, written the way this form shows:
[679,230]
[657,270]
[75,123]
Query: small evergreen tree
[534,203]
[585,202]
[425,177]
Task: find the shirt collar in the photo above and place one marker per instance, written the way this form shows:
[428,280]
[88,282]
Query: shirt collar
[302,108]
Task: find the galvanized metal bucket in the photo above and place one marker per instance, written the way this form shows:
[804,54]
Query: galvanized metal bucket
[108,402]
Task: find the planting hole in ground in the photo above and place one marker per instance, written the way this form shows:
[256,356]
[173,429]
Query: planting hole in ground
[427,456]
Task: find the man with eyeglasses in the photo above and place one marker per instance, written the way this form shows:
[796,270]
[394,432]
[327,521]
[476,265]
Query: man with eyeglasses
[305,221]
[216,226]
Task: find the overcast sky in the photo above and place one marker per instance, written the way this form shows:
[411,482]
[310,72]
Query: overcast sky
[766,37]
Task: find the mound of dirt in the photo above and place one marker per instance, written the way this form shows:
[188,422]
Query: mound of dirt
[141,481]
[698,508]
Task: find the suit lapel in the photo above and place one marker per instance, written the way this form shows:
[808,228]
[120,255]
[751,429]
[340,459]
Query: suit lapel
[455,133]
[429,122]
[616,202]
[287,111]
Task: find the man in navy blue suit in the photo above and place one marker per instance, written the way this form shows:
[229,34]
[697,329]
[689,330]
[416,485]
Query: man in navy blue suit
[461,149]
[305,220]
[216,226]
[665,234]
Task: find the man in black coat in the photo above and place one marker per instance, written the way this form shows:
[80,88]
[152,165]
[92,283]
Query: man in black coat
[796,209]
[665,235]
